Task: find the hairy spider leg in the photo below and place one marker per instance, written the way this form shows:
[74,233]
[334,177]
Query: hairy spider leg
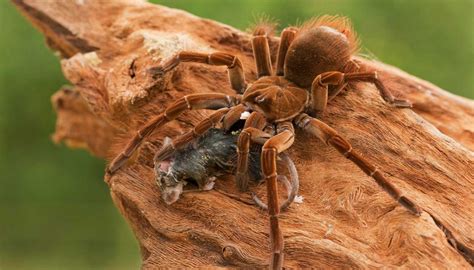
[196,132]
[233,116]
[319,88]
[276,144]
[211,101]
[252,132]
[233,63]
[330,137]
[261,53]
[372,77]
[350,67]
[287,36]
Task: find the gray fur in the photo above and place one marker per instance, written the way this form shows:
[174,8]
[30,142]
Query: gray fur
[214,154]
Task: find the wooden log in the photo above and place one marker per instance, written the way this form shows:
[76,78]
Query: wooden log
[345,221]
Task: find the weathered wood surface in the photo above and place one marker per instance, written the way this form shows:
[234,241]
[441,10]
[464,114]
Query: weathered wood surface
[346,221]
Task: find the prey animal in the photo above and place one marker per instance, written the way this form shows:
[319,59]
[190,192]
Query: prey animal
[210,156]
[314,63]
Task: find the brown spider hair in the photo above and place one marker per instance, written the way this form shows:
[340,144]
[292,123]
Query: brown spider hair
[322,44]
[264,25]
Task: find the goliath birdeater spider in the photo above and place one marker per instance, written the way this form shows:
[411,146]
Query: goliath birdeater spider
[314,63]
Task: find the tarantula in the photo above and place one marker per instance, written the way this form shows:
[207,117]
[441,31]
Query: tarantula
[314,64]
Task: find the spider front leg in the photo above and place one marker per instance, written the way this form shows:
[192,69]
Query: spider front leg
[233,116]
[233,63]
[277,144]
[227,116]
[319,88]
[189,102]
[330,136]
[202,127]
[261,53]
[252,132]
[287,36]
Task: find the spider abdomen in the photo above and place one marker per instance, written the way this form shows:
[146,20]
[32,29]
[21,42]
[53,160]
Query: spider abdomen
[321,45]
[314,52]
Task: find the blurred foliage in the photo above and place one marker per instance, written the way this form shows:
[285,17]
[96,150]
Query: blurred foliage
[55,209]
[431,39]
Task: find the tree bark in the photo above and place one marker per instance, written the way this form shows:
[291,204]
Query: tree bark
[345,221]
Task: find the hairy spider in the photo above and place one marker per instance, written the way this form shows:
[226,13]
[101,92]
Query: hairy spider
[314,64]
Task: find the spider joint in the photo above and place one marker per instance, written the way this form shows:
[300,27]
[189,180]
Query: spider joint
[373,172]
[348,152]
[274,174]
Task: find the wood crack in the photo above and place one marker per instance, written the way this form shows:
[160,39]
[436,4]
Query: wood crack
[463,250]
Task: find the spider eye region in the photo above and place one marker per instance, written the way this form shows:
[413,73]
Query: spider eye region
[276,98]
[315,51]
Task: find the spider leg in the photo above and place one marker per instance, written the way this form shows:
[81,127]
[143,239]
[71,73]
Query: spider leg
[183,140]
[384,92]
[351,66]
[233,63]
[233,116]
[261,53]
[287,36]
[319,88]
[332,94]
[277,144]
[252,132]
[281,178]
[189,102]
[227,116]
[330,136]
[292,188]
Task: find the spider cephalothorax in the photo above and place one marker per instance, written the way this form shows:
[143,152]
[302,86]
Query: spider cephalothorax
[314,64]
[276,98]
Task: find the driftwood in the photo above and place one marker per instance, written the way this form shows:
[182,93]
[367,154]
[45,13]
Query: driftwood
[346,220]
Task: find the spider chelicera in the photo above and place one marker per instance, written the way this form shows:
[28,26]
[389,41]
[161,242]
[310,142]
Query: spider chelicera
[314,64]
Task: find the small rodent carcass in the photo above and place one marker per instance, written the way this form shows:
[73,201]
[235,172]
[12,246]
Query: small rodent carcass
[212,155]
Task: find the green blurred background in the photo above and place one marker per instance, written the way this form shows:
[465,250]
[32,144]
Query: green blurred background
[55,209]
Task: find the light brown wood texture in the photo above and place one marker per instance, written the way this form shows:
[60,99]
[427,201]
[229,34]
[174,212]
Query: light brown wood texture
[345,221]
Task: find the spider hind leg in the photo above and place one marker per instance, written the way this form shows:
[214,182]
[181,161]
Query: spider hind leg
[330,136]
[320,89]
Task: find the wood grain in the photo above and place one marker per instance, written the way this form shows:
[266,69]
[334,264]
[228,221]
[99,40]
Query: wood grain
[346,221]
